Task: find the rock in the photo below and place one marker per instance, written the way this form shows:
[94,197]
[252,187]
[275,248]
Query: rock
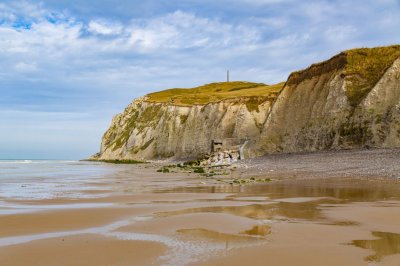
[317,112]
[147,130]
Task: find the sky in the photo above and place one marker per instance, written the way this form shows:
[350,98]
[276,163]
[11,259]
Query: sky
[68,66]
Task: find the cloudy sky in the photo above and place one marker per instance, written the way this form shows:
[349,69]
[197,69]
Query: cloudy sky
[68,66]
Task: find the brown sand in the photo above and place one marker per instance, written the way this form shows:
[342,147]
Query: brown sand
[310,220]
[82,250]
[380,216]
[220,222]
[300,244]
[74,219]
[60,220]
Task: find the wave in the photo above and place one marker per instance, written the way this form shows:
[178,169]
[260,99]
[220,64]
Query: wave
[34,161]
[16,161]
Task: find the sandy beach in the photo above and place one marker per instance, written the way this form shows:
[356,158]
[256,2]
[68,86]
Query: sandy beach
[329,208]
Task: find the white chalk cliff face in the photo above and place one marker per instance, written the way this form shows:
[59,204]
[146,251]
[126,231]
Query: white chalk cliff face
[312,112]
[315,114]
[148,130]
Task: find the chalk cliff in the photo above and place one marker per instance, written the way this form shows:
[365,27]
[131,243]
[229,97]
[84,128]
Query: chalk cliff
[165,126]
[349,101]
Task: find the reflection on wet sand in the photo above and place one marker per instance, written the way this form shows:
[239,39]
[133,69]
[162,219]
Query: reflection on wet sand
[258,230]
[214,236]
[347,189]
[344,223]
[303,210]
[210,224]
[386,244]
[297,201]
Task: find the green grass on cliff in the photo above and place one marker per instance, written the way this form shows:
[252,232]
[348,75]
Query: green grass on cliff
[362,69]
[215,92]
[365,68]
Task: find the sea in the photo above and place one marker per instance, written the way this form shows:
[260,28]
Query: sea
[48,179]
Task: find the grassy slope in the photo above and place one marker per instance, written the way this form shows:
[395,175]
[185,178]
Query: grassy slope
[215,92]
[365,68]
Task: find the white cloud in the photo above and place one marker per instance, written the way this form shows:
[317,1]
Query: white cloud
[67,44]
[23,8]
[273,21]
[340,33]
[25,67]
[105,28]
[287,41]
[263,2]
[180,30]
[318,11]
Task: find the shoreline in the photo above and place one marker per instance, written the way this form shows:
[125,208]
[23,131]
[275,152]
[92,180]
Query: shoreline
[286,162]
[369,164]
[114,161]
[313,204]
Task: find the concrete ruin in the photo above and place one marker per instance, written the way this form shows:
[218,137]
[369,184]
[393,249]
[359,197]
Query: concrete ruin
[226,151]
[229,144]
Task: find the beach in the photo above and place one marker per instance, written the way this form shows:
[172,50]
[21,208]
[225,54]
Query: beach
[325,208]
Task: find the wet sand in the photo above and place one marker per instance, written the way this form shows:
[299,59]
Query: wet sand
[343,216]
[82,250]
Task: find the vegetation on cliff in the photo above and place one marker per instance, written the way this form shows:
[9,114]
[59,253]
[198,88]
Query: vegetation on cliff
[215,92]
[116,161]
[362,69]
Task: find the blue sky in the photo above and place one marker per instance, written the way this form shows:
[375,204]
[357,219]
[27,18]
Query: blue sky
[66,67]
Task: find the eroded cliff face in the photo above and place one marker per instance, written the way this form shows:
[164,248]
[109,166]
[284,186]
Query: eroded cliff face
[316,114]
[349,101]
[147,130]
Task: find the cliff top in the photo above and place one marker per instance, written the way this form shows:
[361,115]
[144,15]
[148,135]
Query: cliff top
[363,68]
[215,92]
